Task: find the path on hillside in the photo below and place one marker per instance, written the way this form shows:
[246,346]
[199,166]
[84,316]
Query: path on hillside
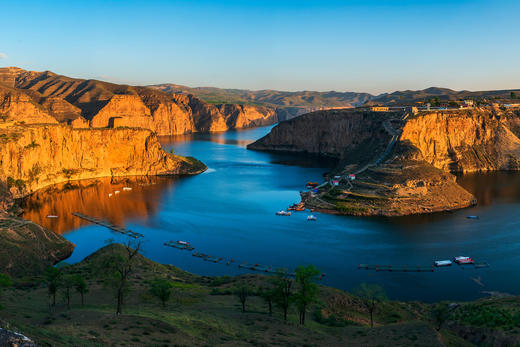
[395,136]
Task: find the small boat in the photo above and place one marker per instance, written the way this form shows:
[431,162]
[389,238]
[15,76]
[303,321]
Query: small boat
[183,243]
[127,188]
[439,263]
[52,216]
[311,217]
[464,260]
[117,192]
[283,213]
[109,195]
[472,217]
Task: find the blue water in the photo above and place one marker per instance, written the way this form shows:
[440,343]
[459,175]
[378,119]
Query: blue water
[229,211]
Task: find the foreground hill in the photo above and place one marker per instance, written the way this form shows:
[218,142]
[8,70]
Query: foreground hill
[91,103]
[403,165]
[206,311]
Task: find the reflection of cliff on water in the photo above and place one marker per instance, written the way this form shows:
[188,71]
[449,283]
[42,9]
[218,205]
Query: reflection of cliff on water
[488,187]
[213,137]
[91,197]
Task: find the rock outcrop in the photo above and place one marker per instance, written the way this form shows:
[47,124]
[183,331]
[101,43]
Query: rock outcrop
[466,141]
[402,166]
[90,103]
[41,155]
[19,107]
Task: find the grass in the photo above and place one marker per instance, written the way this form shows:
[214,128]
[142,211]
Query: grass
[195,317]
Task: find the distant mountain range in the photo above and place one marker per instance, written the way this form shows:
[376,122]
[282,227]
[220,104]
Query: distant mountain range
[273,98]
[330,99]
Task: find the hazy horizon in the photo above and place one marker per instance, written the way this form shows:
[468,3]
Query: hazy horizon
[346,46]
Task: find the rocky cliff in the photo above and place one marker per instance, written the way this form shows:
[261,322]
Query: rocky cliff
[45,97]
[40,155]
[403,166]
[466,141]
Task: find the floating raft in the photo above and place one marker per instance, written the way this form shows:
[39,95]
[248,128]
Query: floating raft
[111,226]
[175,244]
[264,268]
[397,268]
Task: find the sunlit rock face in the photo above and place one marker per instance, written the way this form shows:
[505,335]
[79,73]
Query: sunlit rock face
[414,175]
[45,97]
[466,141]
[41,155]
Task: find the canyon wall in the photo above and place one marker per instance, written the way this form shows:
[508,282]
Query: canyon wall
[402,166]
[466,141]
[41,155]
[45,97]
[334,133]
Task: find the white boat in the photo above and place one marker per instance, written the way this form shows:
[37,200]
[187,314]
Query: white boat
[117,192]
[127,188]
[311,217]
[109,195]
[440,263]
[183,243]
[283,213]
[52,216]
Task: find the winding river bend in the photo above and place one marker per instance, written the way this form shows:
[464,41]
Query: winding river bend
[229,211]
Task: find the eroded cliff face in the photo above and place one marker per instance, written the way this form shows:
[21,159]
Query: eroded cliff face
[466,141]
[19,107]
[42,155]
[403,166]
[97,104]
[337,134]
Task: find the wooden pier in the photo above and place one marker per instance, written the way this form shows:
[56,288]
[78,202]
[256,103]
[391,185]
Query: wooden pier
[175,244]
[397,268]
[108,225]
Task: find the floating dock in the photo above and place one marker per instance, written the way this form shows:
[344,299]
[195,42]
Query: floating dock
[108,225]
[175,244]
[397,268]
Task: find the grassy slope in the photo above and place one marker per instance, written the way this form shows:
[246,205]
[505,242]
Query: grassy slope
[202,311]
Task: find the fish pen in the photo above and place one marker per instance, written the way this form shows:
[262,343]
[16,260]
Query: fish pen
[397,268]
[176,244]
[108,225]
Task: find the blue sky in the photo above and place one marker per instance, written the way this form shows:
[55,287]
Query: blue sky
[366,45]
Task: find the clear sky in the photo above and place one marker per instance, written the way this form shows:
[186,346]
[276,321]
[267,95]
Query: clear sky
[363,45]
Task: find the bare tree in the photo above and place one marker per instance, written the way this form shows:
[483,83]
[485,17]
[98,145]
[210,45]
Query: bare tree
[117,269]
[370,295]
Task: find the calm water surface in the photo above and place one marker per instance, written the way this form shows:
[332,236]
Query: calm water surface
[228,211]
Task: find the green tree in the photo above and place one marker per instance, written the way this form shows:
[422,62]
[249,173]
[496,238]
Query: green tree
[370,295]
[268,294]
[435,101]
[117,267]
[161,289]
[282,291]
[52,279]
[81,287]
[243,291]
[67,283]
[307,290]
[441,313]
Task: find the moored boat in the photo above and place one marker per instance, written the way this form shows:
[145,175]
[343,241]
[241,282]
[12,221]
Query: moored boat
[461,260]
[439,263]
[311,217]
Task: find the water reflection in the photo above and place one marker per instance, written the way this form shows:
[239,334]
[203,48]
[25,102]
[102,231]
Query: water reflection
[492,187]
[91,197]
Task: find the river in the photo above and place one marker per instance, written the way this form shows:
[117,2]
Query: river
[229,211]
